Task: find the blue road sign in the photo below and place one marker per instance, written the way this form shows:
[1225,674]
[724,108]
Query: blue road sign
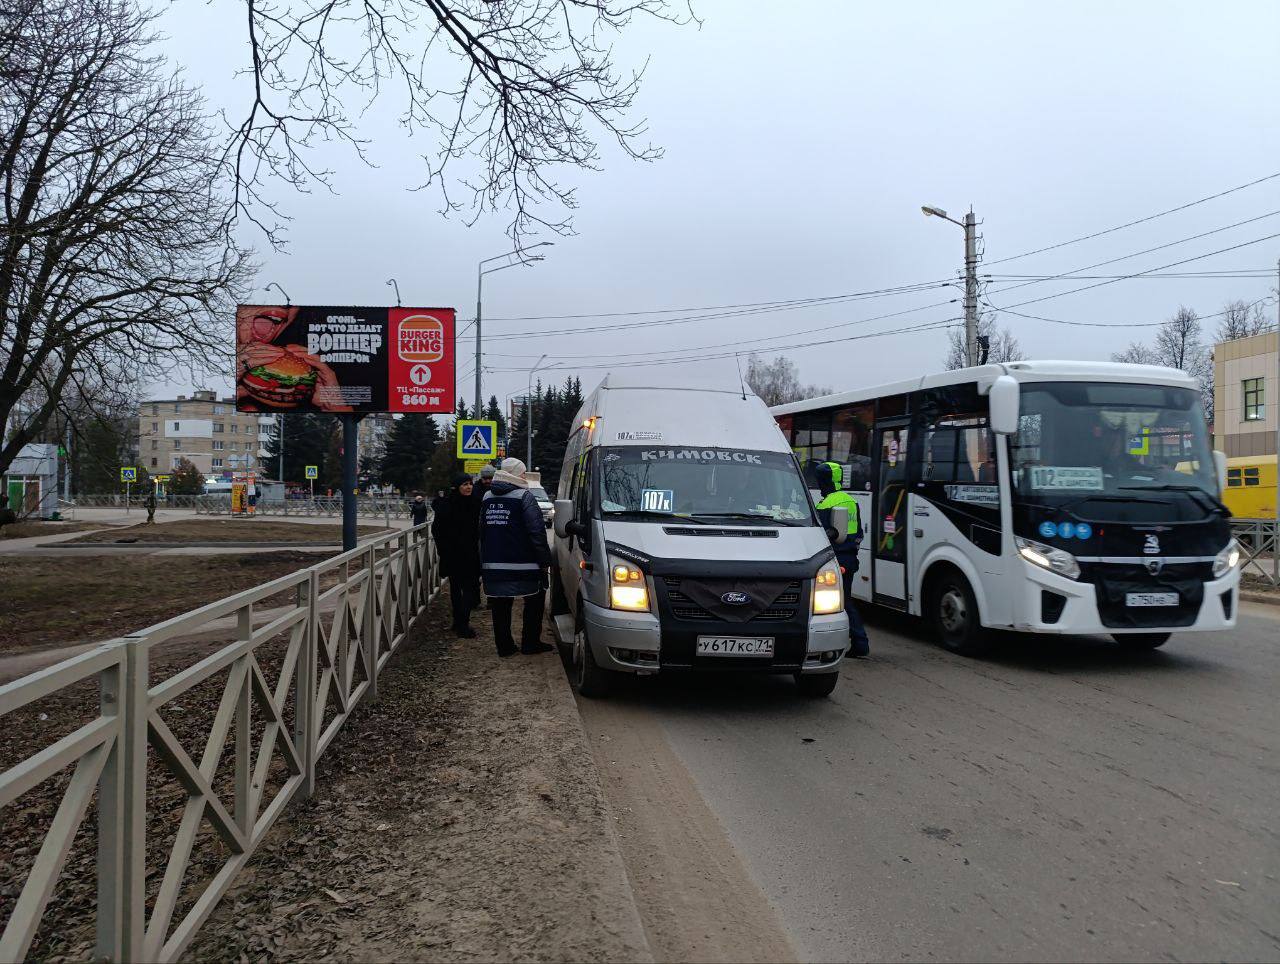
[477,439]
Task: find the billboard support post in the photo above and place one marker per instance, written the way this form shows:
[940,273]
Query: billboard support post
[349,441]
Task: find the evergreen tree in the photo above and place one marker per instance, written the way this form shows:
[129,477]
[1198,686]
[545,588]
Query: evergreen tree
[331,464]
[186,479]
[410,445]
[99,448]
[494,414]
[443,465]
[306,442]
[462,411]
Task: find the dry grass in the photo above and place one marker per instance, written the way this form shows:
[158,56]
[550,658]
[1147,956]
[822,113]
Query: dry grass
[29,529]
[228,530]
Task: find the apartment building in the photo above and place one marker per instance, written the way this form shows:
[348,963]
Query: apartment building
[372,434]
[204,430]
[1246,389]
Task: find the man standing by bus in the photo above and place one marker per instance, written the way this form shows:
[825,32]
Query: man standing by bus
[830,476]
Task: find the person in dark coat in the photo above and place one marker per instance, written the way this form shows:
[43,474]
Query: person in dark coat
[514,558]
[418,510]
[456,529]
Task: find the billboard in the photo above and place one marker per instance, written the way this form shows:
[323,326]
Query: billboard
[318,358]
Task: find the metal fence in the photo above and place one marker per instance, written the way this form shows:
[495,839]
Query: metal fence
[390,507]
[347,617]
[1260,544]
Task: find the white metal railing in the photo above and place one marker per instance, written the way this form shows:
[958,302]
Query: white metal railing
[1260,544]
[337,639]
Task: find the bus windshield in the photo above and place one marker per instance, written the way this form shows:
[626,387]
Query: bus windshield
[704,485]
[1077,441]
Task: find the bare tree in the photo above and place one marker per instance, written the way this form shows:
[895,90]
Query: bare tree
[1179,343]
[778,382]
[115,262]
[513,91]
[1241,319]
[1002,346]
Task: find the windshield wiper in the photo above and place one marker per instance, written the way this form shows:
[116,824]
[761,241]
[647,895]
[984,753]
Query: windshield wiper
[754,517]
[1212,503]
[651,514]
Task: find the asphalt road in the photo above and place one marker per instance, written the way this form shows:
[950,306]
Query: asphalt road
[1058,800]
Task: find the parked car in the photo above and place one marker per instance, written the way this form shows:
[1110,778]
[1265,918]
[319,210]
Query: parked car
[544,503]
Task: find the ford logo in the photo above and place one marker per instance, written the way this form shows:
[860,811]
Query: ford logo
[735,598]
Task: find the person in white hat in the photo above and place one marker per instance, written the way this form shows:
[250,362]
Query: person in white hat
[514,558]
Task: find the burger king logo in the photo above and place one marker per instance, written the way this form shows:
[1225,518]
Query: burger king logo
[421,339]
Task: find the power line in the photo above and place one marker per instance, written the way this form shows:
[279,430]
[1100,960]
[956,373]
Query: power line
[1117,324]
[1130,224]
[1137,274]
[1136,254]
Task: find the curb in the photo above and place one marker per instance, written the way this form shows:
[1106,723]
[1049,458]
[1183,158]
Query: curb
[118,544]
[1266,598]
[627,921]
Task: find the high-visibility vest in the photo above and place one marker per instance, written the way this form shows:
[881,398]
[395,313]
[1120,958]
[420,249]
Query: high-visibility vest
[845,499]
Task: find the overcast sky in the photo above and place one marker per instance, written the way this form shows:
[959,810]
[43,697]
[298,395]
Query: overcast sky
[799,150]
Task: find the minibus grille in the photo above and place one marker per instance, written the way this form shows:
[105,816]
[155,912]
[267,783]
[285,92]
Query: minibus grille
[722,533]
[682,607]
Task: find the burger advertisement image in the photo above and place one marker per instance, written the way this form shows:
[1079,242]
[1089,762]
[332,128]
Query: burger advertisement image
[308,358]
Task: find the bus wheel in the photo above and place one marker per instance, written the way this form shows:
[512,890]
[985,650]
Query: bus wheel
[954,612]
[1139,641]
[590,680]
[818,684]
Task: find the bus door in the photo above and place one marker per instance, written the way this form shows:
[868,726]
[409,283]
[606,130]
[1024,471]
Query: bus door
[889,526]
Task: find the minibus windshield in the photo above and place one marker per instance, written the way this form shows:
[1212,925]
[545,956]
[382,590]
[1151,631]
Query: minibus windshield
[720,484]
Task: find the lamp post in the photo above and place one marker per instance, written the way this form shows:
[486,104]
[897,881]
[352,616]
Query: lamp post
[280,416]
[481,271]
[528,414]
[970,228]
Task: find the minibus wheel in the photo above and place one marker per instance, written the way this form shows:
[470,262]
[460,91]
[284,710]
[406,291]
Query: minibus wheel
[953,611]
[1139,641]
[817,684]
[590,680]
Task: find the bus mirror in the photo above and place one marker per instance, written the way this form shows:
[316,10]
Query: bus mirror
[839,523]
[1004,402]
[562,516]
[1220,463]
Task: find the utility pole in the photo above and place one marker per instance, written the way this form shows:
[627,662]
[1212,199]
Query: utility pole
[479,283]
[1275,408]
[970,226]
[281,417]
[971,288]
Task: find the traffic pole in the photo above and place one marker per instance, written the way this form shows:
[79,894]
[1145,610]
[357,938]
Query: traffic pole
[349,441]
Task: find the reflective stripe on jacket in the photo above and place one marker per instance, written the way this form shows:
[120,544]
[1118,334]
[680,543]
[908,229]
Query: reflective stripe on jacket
[513,542]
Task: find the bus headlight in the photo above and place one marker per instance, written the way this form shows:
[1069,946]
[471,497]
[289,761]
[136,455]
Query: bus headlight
[1047,557]
[828,590]
[626,586]
[1226,560]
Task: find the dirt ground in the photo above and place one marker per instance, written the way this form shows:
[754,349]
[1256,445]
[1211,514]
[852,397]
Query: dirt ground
[459,818]
[228,530]
[27,530]
[57,601]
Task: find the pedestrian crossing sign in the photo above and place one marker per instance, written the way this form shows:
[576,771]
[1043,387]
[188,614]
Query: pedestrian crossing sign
[128,473]
[313,471]
[477,439]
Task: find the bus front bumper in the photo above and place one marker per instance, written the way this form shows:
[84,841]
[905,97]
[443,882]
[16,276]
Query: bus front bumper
[1049,603]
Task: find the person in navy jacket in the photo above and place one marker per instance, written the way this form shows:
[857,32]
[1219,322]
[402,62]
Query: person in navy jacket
[514,558]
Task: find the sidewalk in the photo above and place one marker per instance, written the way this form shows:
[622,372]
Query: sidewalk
[458,818]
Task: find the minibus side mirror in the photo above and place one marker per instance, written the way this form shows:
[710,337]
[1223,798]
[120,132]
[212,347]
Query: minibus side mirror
[562,517]
[1004,401]
[839,531]
[1220,463]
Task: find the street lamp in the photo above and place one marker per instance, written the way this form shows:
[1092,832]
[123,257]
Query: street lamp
[970,228]
[528,413]
[481,271]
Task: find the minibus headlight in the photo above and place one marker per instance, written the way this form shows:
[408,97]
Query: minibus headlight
[1227,559]
[1047,557]
[627,588]
[828,590]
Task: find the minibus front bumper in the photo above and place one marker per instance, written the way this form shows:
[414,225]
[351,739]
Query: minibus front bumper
[628,642]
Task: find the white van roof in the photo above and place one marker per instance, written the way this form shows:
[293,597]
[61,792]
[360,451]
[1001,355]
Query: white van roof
[653,412]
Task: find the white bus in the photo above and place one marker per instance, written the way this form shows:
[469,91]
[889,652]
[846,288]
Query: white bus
[1046,496]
